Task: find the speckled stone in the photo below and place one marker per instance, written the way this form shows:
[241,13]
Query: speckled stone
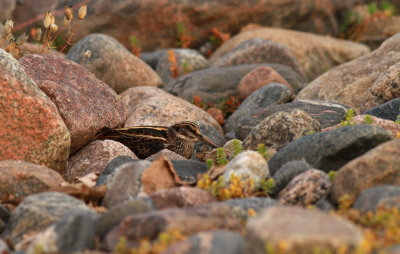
[257,50]
[112,63]
[31,128]
[19,179]
[378,166]
[389,110]
[85,103]
[306,188]
[153,106]
[280,129]
[38,211]
[302,230]
[287,172]
[94,157]
[331,150]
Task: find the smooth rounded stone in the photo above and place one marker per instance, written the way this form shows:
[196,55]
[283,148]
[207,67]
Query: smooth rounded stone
[257,50]
[388,125]
[165,153]
[371,199]
[287,172]
[124,183]
[187,60]
[247,165]
[324,205]
[378,166]
[153,106]
[211,242]
[105,222]
[385,88]
[214,85]
[241,206]
[258,78]
[19,179]
[188,170]
[181,197]
[327,113]
[111,166]
[349,82]
[31,128]
[4,248]
[244,119]
[389,110]
[314,53]
[188,221]
[331,150]
[151,58]
[94,158]
[306,188]
[38,211]
[280,129]
[112,63]
[212,134]
[75,232]
[85,103]
[301,231]
[31,48]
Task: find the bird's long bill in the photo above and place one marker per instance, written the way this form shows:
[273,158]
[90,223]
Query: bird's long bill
[206,141]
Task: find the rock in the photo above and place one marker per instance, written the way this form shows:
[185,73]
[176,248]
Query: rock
[196,19]
[378,166]
[31,129]
[124,183]
[188,221]
[331,150]
[306,188]
[85,103]
[227,148]
[301,230]
[385,88]
[186,61]
[19,179]
[202,150]
[114,215]
[349,82]
[217,114]
[4,213]
[324,205]
[214,85]
[4,247]
[247,165]
[371,199]
[153,106]
[388,125]
[325,112]
[287,172]
[111,166]
[152,58]
[243,120]
[7,8]
[188,170]
[258,78]
[94,157]
[389,110]
[314,53]
[75,232]
[181,197]
[166,153]
[258,51]
[112,63]
[243,207]
[217,241]
[280,129]
[31,48]
[38,211]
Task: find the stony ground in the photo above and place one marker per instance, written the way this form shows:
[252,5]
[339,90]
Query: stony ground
[308,129]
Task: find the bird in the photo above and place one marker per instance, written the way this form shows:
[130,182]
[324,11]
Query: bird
[148,140]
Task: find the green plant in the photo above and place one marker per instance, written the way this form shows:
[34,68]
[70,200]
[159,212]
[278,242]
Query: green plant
[331,175]
[368,119]
[209,163]
[372,8]
[398,118]
[221,157]
[349,118]
[237,147]
[310,132]
[263,151]
[184,40]
[135,45]
[267,185]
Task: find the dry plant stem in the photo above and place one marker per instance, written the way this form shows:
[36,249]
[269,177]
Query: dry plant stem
[70,37]
[57,34]
[46,39]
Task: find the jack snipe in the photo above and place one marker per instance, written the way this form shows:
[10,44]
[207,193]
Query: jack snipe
[147,140]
